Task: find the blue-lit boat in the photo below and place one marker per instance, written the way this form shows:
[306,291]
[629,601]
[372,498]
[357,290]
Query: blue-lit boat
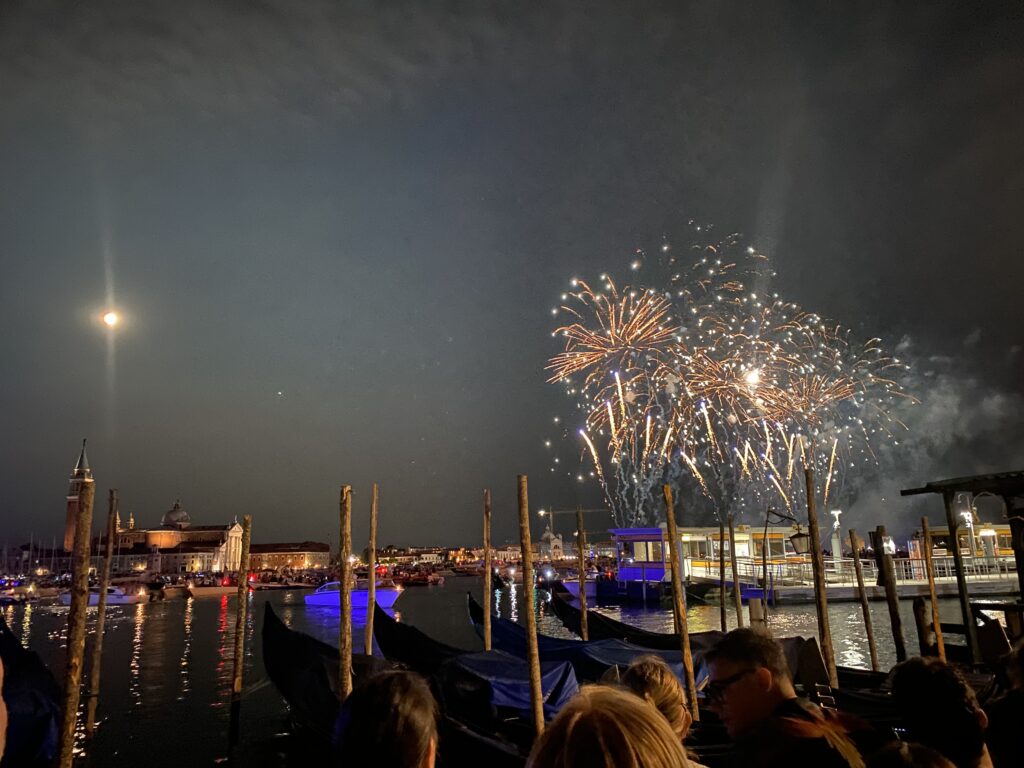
[329,596]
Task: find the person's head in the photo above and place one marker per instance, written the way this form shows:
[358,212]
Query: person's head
[1015,664]
[906,755]
[606,727]
[749,678]
[389,719]
[650,678]
[940,710]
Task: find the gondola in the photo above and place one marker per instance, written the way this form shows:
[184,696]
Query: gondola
[304,671]
[803,655]
[33,704]
[407,645]
[591,659]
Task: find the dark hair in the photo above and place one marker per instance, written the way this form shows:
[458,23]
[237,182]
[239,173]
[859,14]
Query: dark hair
[939,709]
[905,755]
[745,646]
[388,719]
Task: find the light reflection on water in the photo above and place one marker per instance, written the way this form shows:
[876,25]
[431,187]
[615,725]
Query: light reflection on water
[167,666]
[186,650]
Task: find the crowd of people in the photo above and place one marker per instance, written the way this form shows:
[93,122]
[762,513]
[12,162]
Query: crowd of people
[639,718]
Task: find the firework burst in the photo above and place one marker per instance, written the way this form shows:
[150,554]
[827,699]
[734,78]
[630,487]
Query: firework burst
[696,376]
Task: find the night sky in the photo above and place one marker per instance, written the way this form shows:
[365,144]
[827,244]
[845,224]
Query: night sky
[370,208]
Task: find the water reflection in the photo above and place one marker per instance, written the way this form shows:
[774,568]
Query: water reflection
[135,665]
[26,625]
[186,650]
[223,641]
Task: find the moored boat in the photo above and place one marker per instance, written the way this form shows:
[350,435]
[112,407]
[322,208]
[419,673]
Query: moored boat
[304,671]
[211,590]
[115,596]
[329,596]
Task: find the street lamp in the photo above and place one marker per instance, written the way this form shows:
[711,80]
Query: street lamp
[801,541]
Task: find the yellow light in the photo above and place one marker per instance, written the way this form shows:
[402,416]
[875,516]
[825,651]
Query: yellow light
[754,377]
[111,319]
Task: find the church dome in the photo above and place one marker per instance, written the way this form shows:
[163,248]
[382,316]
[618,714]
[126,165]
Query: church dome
[176,517]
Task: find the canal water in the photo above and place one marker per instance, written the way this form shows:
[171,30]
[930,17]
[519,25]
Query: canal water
[167,666]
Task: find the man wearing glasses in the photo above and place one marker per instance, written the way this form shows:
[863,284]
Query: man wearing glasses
[752,692]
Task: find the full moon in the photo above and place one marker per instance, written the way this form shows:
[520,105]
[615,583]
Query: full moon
[111,319]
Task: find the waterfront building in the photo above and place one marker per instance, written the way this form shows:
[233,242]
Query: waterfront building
[177,546]
[289,557]
[79,475]
[550,545]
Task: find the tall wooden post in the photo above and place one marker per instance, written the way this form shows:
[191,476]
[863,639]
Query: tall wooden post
[677,599]
[76,621]
[865,610]
[581,546]
[818,568]
[970,625]
[536,692]
[345,595]
[929,564]
[101,618]
[371,575]
[887,574]
[488,570]
[737,592]
[721,574]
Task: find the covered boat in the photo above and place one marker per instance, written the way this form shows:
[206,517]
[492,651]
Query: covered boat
[329,596]
[305,670]
[590,659]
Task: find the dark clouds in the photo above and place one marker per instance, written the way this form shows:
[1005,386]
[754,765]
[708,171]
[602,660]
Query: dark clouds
[370,208]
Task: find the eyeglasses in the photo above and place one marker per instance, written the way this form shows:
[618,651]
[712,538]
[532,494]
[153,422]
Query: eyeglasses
[715,692]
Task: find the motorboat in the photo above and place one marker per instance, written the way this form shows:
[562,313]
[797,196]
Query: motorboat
[212,590]
[329,596]
[115,596]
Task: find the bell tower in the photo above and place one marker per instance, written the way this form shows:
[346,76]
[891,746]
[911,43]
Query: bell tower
[79,475]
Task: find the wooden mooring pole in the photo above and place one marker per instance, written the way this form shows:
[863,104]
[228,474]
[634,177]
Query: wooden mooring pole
[241,611]
[721,575]
[737,591]
[371,575]
[76,621]
[488,570]
[536,692]
[581,547]
[929,564]
[970,625]
[887,575]
[345,594]
[863,595]
[101,618]
[818,570]
[677,599]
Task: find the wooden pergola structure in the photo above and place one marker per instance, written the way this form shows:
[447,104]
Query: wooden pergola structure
[1009,486]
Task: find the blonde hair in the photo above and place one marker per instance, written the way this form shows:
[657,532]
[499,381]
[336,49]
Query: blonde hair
[650,678]
[607,727]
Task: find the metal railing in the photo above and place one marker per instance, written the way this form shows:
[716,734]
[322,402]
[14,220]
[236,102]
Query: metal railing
[841,571]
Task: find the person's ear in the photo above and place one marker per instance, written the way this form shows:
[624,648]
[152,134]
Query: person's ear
[982,718]
[687,721]
[765,678]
